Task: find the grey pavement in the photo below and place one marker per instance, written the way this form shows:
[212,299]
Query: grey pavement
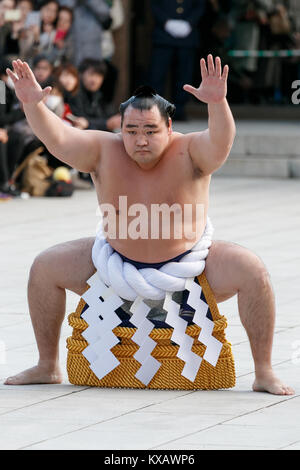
[262,214]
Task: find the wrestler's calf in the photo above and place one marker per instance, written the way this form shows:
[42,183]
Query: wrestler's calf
[64,266]
[234,270]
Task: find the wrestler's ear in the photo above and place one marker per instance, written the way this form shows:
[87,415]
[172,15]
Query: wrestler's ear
[170,130]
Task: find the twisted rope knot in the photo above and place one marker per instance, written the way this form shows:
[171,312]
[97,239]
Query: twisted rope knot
[129,282]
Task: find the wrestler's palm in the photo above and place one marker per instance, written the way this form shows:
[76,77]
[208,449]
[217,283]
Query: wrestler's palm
[213,88]
[27,88]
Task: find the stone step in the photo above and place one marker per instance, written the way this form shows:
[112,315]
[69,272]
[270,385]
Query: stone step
[267,145]
[256,166]
[261,148]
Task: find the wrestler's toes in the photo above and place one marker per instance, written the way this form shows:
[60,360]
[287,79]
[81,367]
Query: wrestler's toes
[36,375]
[289,391]
[9,381]
[270,383]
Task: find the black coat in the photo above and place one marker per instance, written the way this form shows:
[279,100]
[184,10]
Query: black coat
[188,10]
[90,106]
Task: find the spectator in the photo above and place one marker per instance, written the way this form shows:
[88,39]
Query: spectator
[39,35]
[239,83]
[25,6]
[117,17]
[7,42]
[249,17]
[90,18]
[214,10]
[280,71]
[68,77]
[62,44]
[12,145]
[175,35]
[108,49]
[49,12]
[4,194]
[88,104]
[42,69]
[15,30]
[55,101]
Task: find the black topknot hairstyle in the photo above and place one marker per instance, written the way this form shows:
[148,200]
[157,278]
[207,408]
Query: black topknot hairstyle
[144,98]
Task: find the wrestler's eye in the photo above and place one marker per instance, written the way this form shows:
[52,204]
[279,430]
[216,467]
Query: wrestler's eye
[131,132]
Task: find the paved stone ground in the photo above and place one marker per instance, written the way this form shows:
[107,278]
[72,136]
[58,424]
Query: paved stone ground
[262,214]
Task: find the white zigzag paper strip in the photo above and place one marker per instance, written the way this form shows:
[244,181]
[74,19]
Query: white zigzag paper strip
[139,319]
[185,342]
[102,319]
[213,346]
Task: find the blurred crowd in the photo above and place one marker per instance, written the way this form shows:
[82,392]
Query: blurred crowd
[257,25]
[70,45]
[185,30]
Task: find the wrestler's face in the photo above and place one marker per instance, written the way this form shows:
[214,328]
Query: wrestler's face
[145,135]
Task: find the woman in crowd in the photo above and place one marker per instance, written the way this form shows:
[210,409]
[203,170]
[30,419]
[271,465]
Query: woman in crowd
[63,42]
[68,76]
[40,31]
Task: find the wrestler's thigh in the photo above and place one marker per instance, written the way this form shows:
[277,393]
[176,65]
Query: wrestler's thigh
[67,264]
[229,267]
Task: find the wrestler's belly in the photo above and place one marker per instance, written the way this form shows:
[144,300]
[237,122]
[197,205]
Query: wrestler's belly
[152,243]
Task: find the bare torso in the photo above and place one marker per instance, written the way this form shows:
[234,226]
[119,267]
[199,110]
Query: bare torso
[174,180]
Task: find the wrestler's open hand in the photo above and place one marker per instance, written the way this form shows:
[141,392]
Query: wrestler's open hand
[27,88]
[213,88]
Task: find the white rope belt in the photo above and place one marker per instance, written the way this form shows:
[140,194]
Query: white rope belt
[116,280]
[129,282]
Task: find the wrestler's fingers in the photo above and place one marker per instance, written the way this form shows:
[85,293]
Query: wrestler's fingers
[29,73]
[12,75]
[225,73]
[20,67]
[210,63]
[190,89]
[218,67]
[203,68]
[15,68]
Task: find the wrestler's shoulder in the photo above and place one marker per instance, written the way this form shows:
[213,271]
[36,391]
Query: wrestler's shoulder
[178,139]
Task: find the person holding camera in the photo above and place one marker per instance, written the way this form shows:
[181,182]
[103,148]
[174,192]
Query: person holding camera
[92,17]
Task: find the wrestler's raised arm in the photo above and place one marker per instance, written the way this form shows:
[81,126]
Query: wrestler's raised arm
[80,149]
[209,149]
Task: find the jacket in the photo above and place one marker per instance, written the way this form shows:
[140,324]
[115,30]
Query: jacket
[188,10]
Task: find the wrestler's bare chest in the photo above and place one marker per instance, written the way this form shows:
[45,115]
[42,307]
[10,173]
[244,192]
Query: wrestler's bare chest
[173,179]
[173,182]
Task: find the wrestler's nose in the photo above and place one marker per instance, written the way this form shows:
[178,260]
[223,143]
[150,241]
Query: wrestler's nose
[141,141]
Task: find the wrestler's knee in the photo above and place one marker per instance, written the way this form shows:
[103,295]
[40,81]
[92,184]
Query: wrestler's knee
[252,271]
[42,265]
[259,276]
[231,267]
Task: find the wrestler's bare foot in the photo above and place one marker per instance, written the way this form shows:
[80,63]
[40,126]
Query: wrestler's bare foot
[40,374]
[266,381]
